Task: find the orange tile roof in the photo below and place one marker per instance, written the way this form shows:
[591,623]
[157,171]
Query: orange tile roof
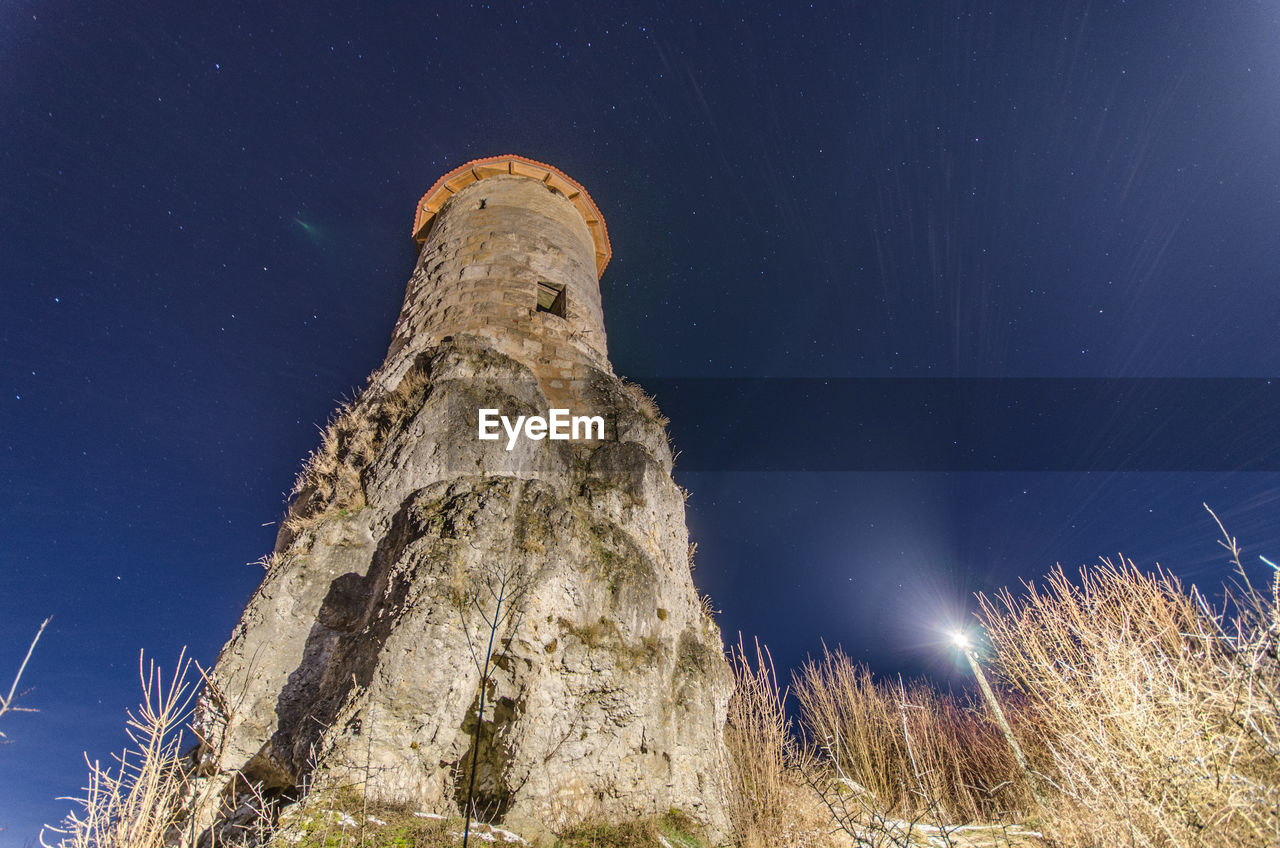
[479,169]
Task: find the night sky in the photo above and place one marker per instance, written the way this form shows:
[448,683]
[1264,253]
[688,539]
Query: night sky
[204,242]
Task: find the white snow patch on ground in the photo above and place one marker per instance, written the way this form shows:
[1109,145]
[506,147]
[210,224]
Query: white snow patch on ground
[511,837]
[489,833]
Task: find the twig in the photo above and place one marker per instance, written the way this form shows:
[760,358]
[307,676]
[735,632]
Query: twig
[6,703]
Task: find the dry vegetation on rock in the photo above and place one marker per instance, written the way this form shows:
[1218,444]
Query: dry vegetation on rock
[331,479]
[645,403]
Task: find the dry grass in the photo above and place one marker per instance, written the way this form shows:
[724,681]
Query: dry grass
[707,606]
[346,819]
[912,767]
[1162,714]
[150,796]
[674,830]
[1149,717]
[758,735]
[332,477]
[138,803]
[646,405]
[892,753]
[768,802]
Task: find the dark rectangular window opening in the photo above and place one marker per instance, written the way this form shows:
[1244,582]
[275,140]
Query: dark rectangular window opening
[551,298]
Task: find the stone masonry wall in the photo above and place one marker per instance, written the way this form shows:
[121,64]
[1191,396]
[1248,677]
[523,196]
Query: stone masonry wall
[478,272]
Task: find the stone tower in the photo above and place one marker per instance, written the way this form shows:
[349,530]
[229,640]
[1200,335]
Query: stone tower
[415,555]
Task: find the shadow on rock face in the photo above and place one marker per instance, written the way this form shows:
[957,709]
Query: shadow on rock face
[494,791]
[341,652]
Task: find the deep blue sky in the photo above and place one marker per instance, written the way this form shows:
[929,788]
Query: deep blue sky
[204,220]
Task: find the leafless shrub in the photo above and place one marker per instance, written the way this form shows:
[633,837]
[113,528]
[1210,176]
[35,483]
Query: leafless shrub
[1162,713]
[489,610]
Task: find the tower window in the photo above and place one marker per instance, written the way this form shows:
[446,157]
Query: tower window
[551,298]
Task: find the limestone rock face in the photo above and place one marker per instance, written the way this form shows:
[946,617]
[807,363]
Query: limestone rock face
[416,555]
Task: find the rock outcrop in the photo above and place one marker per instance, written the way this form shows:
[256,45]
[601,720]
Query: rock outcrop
[416,556]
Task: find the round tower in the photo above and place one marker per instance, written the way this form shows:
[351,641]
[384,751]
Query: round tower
[511,252]
[503,629]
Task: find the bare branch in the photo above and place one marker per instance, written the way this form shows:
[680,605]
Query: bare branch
[7,704]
